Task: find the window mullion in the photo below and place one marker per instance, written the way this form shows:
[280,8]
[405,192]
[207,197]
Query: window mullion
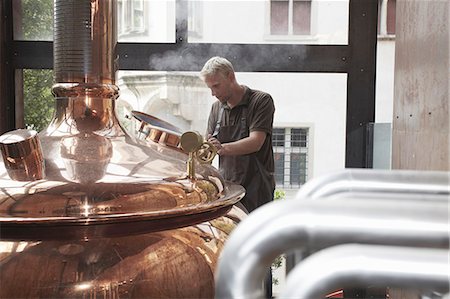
[383,17]
[291,17]
[287,158]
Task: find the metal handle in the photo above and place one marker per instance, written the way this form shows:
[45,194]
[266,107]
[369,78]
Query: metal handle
[199,149]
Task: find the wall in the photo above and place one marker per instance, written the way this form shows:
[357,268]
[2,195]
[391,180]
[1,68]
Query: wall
[420,137]
[422,71]
[313,100]
[223,22]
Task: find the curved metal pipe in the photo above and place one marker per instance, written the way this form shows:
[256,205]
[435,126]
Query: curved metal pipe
[378,181]
[389,185]
[362,265]
[278,227]
[392,197]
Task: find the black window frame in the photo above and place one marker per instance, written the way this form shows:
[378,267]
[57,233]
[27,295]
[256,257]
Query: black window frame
[357,59]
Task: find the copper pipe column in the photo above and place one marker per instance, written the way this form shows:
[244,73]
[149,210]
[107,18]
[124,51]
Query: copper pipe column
[85,40]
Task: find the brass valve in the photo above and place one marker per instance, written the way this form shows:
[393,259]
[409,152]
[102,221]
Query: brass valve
[204,152]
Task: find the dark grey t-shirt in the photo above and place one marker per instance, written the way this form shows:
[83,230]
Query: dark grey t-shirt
[260,112]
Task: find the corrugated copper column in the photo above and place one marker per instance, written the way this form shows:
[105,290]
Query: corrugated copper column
[85,41]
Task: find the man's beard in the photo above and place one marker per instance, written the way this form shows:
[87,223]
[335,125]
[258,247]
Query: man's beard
[225,99]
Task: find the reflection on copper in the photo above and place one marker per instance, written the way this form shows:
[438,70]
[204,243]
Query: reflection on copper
[85,41]
[177,263]
[110,215]
[157,130]
[22,155]
[86,156]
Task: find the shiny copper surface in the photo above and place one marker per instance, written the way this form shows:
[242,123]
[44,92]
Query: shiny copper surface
[85,36]
[95,172]
[112,215]
[22,155]
[176,263]
[157,130]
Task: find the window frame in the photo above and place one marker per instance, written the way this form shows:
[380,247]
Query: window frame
[357,60]
[286,149]
[386,18]
[291,19]
[130,8]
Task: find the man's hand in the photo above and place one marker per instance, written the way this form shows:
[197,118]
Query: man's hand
[216,144]
[244,146]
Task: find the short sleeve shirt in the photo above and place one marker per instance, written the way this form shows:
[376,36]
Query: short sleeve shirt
[260,111]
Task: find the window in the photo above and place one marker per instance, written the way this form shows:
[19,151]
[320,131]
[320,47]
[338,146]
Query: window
[33,20]
[195,17]
[130,17]
[290,147]
[290,17]
[386,17]
[38,100]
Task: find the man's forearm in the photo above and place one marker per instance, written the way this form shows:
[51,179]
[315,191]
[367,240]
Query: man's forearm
[245,146]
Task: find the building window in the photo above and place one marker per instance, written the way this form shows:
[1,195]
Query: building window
[195,17]
[290,146]
[290,17]
[386,17]
[131,18]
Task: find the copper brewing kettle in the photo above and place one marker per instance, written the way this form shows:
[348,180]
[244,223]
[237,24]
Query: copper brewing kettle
[104,206]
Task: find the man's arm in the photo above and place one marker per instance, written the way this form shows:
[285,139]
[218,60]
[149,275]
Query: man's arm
[244,146]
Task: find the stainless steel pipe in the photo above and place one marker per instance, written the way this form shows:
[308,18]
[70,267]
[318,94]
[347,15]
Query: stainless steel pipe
[363,265]
[389,185]
[282,226]
[374,181]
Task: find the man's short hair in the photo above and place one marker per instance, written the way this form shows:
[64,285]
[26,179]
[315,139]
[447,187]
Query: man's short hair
[215,65]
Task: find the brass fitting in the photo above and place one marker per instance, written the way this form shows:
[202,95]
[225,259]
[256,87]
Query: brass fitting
[193,143]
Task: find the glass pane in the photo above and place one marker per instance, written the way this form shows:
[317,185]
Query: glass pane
[279,12]
[302,17]
[146,21]
[391,16]
[279,168]
[379,144]
[299,137]
[262,21]
[39,103]
[278,137]
[33,20]
[300,102]
[137,20]
[298,169]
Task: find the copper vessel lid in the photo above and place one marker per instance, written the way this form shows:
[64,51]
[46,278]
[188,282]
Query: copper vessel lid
[156,123]
[84,175]
[88,190]
[157,130]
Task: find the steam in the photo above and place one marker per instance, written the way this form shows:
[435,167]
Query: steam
[250,57]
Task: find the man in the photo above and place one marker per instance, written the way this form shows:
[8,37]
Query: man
[240,127]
